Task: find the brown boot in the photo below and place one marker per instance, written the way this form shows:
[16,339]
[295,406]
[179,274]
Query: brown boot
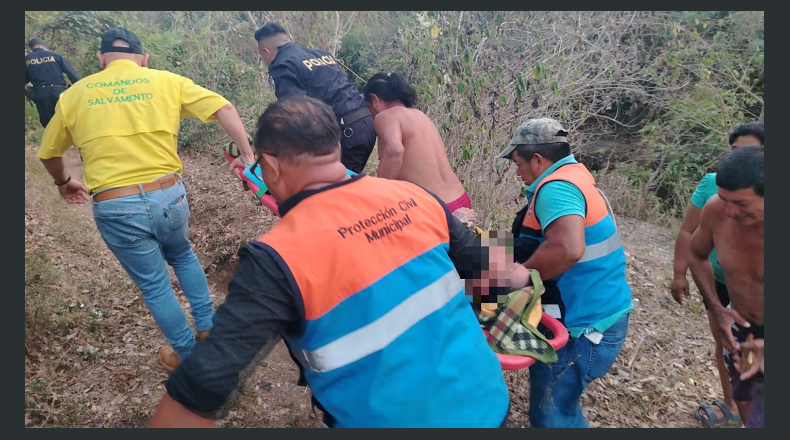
[169,358]
[200,336]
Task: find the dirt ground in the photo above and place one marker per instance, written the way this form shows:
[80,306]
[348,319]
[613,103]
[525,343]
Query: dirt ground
[90,343]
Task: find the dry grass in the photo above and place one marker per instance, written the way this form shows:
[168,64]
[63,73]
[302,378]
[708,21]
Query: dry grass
[69,273]
[657,382]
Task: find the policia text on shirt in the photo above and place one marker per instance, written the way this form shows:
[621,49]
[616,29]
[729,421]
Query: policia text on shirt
[44,69]
[296,70]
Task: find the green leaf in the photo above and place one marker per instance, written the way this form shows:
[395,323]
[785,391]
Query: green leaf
[467,58]
[465,155]
[555,87]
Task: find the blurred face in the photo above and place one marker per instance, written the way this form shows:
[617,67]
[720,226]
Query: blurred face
[494,276]
[748,140]
[744,206]
[529,171]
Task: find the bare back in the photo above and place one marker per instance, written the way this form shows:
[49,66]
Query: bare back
[424,156]
[740,253]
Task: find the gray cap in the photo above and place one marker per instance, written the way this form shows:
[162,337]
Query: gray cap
[536,131]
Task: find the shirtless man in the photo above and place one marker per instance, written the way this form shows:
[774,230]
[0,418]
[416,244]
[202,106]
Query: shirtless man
[410,147]
[734,222]
[745,135]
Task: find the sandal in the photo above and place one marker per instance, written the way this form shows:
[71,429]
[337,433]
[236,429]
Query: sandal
[714,419]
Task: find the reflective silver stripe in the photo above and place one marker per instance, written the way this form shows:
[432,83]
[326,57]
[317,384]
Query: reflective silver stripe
[381,332]
[602,249]
[552,310]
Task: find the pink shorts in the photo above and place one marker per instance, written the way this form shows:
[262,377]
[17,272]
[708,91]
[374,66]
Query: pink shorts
[460,202]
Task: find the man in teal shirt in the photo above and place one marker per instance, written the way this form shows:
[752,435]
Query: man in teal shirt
[749,134]
[566,233]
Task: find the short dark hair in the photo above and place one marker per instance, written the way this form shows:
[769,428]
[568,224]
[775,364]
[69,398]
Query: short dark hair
[743,168]
[36,42]
[268,30]
[755,128]
[391,87]
[298,125]
[553,152]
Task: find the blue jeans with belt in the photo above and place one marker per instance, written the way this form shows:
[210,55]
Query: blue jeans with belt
[556,389]
[146,230]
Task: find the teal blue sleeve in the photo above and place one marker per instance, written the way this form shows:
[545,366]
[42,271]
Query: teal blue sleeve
[557,199]
[706,189]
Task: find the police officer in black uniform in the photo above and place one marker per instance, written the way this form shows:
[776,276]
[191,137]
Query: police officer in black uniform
[294,69]
[45,69]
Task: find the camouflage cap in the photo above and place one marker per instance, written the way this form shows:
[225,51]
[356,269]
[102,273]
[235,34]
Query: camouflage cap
[536,131]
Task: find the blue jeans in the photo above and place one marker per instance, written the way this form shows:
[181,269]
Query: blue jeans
[146,230]
[556,389]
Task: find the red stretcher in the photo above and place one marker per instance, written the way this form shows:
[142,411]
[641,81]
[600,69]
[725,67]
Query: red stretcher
[515,362]
[251,176]
[256,186]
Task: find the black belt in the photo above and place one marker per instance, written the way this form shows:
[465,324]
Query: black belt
[354,116]
[49,85]
[351,118]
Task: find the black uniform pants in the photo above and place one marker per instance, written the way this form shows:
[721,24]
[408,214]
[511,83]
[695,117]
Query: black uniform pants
[357,142]
[45,98]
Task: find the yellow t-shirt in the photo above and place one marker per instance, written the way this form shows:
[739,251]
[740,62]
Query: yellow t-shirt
[125,121]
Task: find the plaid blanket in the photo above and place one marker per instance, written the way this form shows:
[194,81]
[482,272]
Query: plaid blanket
[510,331]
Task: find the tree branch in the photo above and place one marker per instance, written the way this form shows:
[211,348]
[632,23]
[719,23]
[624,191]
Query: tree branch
[251,19]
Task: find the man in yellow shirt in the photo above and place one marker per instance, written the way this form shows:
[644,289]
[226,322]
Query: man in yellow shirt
[125,121]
